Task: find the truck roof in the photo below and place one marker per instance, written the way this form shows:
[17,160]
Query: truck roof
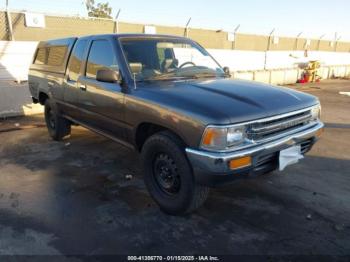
[55,42]
[146,35]
[68,40]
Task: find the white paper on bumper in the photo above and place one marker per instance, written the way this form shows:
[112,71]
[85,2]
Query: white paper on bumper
[289,156]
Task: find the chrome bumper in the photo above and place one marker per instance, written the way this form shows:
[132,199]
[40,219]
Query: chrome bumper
[217,162]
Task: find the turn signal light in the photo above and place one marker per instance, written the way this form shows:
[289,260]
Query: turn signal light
[240,162]
[209,136]
[319,132]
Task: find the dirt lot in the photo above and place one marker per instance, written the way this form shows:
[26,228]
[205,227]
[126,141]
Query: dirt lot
[73,197]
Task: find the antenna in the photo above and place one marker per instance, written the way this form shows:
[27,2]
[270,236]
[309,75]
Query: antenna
[134,74]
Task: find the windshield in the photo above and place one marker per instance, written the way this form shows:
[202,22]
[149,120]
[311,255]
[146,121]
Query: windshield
[164,59]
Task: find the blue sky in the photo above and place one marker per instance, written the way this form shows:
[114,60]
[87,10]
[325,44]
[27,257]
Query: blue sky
[290,17]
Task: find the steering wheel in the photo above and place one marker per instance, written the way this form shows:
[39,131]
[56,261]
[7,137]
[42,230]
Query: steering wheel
[187,63]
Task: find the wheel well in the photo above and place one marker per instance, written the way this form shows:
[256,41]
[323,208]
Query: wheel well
[146,130]
[42,98]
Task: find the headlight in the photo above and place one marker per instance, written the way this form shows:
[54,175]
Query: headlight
[221,138]
[316,112]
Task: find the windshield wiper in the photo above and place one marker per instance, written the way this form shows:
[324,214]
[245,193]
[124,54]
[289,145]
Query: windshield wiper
[206,75]
[169,76]
[173,76]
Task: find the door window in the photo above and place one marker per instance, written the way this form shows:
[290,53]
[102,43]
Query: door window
[101,56]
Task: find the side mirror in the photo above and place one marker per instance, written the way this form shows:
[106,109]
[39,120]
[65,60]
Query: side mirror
[108,75]
[227,71]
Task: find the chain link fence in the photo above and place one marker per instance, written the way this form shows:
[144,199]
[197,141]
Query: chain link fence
[3,27]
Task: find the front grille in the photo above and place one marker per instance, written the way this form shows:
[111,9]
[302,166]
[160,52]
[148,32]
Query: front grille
[264,129]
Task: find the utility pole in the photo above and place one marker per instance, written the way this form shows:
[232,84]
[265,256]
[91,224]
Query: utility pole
[9,21]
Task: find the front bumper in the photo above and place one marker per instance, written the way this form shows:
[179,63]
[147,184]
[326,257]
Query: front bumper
[212,168]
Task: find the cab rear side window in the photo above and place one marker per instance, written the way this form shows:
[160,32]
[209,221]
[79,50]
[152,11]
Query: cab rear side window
[41,56]
[52,56]
[56,55]
[76,59]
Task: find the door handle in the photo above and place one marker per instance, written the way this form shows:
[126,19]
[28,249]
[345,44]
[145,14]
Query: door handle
[83,87]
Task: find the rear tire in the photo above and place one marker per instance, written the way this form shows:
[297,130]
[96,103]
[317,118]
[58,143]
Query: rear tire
[57,126]
[168,175]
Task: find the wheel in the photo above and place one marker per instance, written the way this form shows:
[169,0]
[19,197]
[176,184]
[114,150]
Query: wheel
[57,126]
[168,175]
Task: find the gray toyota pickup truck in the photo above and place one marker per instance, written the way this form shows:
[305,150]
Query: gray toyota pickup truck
[169,100]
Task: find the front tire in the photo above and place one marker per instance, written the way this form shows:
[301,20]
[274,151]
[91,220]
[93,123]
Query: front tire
[168,175]
[57,126]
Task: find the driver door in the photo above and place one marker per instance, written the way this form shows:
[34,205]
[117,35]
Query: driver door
[102,103]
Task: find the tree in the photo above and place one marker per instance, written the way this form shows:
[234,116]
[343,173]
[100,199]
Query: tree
[102,10]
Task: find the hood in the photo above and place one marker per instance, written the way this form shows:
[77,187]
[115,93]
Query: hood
[226,101]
